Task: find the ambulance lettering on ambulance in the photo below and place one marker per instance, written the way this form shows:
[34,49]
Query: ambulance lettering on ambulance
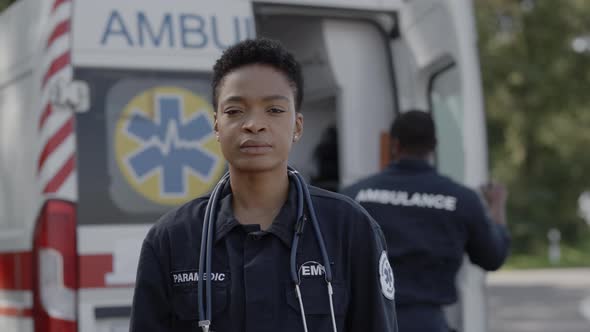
[185,30]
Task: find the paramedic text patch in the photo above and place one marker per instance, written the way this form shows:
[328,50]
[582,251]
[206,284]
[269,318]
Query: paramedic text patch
[183,278]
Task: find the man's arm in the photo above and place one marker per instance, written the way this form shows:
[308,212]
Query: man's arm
[372,306]
[488,241]
[151,306]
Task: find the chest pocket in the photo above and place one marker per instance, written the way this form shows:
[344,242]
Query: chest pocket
[186,302]
[315,297]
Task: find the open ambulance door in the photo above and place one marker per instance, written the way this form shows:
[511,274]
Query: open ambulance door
[437,69]
[350,96]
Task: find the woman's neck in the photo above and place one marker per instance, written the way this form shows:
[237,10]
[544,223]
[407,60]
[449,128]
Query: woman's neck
[258,197]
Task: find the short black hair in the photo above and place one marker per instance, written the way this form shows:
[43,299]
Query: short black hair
[259,51]
[415,131]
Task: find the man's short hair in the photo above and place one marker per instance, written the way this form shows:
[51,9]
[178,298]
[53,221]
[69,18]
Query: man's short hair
[261,51]
[415,132]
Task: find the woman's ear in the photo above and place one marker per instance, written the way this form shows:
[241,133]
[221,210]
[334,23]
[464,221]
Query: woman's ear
[215,127]
[298,126]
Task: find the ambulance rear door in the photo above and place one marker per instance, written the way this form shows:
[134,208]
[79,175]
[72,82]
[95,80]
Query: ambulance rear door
[146,144]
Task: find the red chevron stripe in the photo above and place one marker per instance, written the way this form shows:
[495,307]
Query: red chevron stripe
[58,63]
[46,113]
[55,141]
[60,30]
[61,176]
[58,3]
[50,146]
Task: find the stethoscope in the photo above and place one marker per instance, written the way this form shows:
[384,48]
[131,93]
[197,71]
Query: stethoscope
[207,249]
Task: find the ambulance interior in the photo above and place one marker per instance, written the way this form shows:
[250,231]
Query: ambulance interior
[349,97]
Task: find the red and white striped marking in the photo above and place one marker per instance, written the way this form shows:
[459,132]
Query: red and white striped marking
[16,296]
[94,269]
[57,157]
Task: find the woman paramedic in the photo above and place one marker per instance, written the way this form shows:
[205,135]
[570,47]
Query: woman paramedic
[263,251]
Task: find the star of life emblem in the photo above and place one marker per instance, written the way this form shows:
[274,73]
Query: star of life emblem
[386,277]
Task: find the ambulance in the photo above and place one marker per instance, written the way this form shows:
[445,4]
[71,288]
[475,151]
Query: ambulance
[106,123]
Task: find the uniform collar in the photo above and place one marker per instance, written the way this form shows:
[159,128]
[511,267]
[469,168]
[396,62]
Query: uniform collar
[411,165]
[283,226]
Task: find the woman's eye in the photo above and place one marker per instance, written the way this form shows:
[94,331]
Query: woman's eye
[276,110]
[231,111]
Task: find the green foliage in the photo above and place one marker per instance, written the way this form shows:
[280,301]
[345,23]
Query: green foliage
[5,3]
[538,112]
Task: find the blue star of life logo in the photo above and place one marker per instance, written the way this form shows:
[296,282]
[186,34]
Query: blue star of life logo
[170,145]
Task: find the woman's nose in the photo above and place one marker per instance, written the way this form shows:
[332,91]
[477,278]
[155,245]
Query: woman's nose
[254,123]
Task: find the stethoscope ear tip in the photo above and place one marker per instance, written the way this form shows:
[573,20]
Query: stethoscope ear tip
[205,324]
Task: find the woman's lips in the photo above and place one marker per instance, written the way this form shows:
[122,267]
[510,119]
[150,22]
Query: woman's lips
[254,147]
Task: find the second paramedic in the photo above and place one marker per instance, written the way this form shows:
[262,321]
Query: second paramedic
[429,222]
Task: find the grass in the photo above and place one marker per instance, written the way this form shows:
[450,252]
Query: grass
[578,256]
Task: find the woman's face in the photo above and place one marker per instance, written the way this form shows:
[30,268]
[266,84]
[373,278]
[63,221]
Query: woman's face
[256,122]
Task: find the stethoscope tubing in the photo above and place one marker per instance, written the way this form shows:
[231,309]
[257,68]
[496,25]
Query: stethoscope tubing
[298,230]
[206,247]
[205,256]
[303,192]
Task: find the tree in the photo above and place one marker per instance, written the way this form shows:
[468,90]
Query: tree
[537,109]
[5,3]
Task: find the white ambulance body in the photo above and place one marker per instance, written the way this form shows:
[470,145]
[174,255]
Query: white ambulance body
[106,123]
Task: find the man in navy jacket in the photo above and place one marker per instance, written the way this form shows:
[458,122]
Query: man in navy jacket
[429,222]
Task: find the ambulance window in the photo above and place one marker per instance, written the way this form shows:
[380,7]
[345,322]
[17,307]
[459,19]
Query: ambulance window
[146,145]
[446,103]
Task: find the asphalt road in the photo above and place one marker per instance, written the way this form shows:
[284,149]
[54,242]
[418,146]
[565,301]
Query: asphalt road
[539,301]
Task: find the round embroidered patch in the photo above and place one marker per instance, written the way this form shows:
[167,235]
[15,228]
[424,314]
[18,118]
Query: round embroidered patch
[386,276]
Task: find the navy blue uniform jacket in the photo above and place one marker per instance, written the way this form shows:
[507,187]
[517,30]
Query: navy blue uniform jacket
[251,284]
[429,222]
